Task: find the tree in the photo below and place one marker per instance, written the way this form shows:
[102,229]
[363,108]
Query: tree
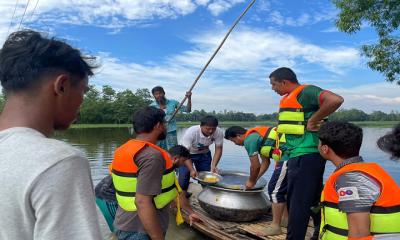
[349,115]
[384,16]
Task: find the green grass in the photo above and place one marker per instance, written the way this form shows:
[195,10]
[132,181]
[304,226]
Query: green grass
[375,124]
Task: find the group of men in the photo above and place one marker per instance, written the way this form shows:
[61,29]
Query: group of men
[47,189]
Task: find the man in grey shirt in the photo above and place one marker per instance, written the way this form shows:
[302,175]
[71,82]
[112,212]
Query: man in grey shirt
[366,196]
[141,172]
[46,187]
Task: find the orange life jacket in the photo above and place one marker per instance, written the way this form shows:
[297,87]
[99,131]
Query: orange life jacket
[266,132]
[124,174]
[384,214]
[291,119]
[262,130]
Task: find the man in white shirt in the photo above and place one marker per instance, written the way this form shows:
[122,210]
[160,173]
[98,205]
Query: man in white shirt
[198,139]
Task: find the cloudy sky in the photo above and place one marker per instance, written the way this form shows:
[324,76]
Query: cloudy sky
[143,43]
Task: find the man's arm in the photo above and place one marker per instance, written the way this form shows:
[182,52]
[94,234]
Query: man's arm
[148,216]
[216,158]
[359,224]
[264,166]
[364,193]
[185,205]
[330,102]
[254,171]
[189,164]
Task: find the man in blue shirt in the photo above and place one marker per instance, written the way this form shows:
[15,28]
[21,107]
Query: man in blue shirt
[169,106]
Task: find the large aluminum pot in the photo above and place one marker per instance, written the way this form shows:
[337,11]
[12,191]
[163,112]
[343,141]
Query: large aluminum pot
[233,205]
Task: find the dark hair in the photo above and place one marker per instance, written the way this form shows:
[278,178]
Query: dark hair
[234,131]
[391,142]
[157,89]
[179,151]
[284,73]
[27,56]
[209,121]
[343,137]
[145,119]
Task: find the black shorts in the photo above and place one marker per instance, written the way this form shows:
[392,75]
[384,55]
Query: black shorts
[277,186]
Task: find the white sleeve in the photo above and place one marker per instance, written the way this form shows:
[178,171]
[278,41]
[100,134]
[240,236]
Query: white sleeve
[219,138]
[187,138]
[63,200]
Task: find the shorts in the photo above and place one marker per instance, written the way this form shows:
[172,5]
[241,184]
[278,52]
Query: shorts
[277,186]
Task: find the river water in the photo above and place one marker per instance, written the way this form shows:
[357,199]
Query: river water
[100,143]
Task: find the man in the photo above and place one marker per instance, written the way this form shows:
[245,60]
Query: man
[46,187]
[390,142]
[105,190]
[169,106]
[359,199]
[261,142]
[301,110]
[144,180]
[198,140]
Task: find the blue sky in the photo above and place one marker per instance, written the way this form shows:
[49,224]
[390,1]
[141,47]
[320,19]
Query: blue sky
[141,44]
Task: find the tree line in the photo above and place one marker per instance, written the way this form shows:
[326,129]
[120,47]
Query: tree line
[110,106]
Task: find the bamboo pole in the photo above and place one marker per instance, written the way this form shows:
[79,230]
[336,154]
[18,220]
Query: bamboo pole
[212,57]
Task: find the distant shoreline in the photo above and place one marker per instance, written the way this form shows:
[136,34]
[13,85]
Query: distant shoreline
[374,124]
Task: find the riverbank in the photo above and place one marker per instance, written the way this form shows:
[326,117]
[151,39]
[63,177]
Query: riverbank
[373,124]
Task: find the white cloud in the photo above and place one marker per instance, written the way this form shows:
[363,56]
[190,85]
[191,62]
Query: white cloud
[219,6]
[382,96]
[251,48]
[112,14]
[312,17]
[202,2]
[330,30]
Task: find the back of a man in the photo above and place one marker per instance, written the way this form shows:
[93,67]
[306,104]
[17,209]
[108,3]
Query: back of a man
[47,192]
[32,190]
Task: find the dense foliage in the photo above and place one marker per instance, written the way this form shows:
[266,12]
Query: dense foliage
[384,17]
[110,106]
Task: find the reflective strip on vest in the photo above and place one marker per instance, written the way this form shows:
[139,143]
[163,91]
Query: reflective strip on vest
[124,175]
[334,222]
[384,214]
[271,135]
[291,118]
[266,151]
[125,188]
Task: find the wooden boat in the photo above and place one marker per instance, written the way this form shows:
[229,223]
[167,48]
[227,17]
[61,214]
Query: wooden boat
[224,230]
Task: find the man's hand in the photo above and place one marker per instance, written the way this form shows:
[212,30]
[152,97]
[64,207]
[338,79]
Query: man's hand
[250,184]
[193,173]
[214,169]
[193,217]
[314,126]
[188,95]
